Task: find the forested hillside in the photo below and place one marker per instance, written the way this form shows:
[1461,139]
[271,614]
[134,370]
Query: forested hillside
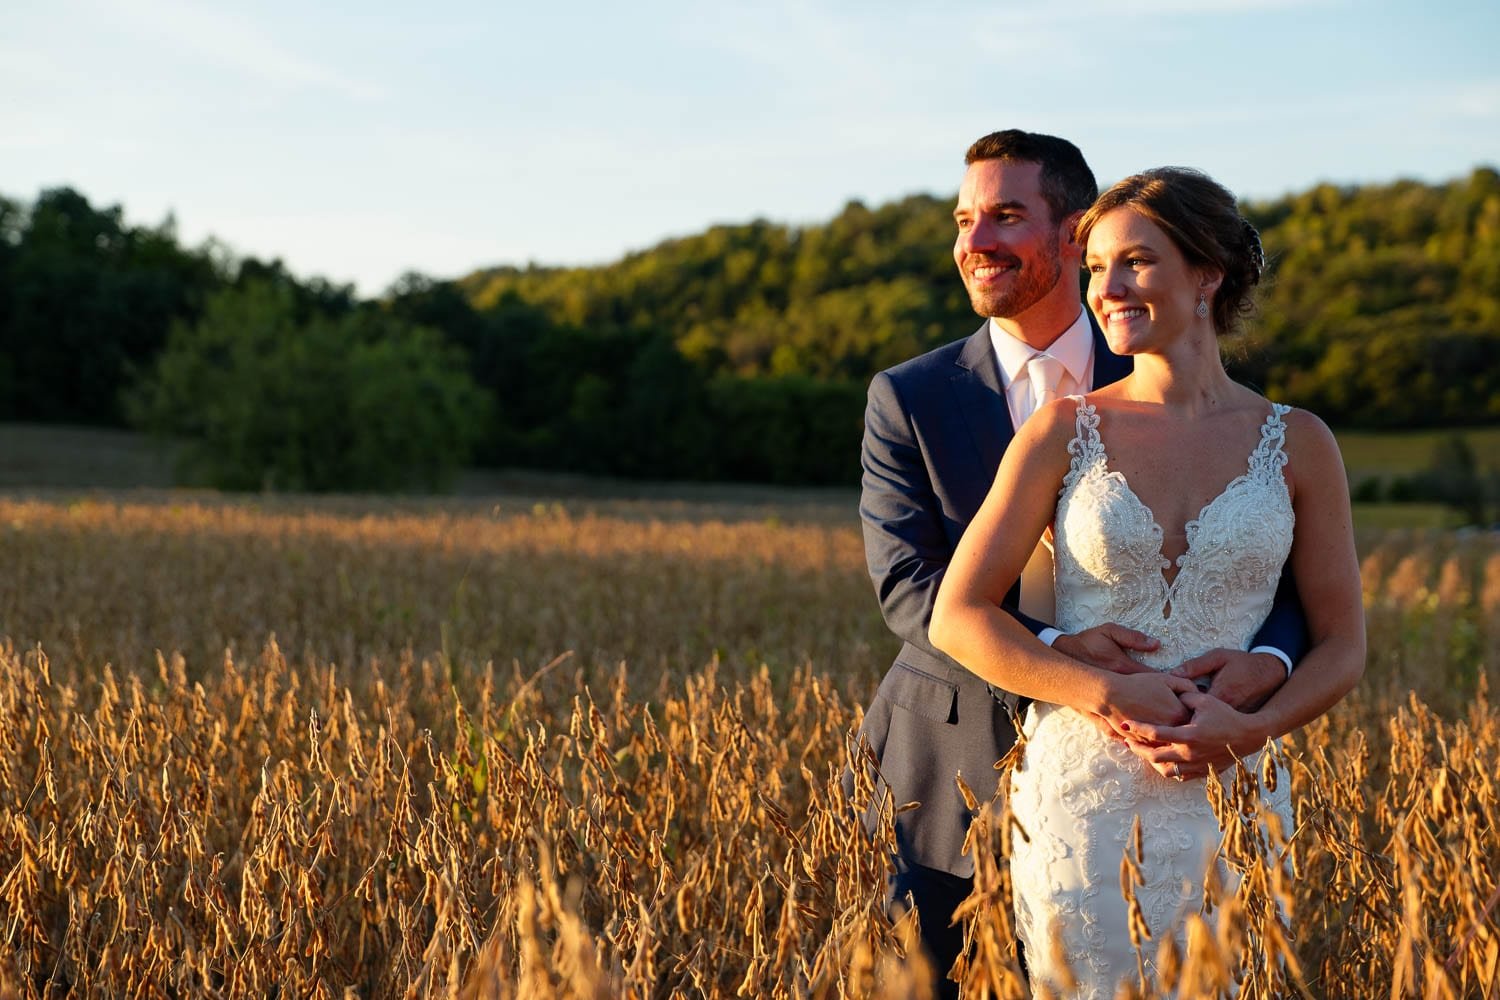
[1381,307]
[738,353]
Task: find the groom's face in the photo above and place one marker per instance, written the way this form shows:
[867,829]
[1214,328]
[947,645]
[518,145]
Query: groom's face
[1008,247]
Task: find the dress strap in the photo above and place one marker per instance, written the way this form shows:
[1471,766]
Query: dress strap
[1269,457]
[1086,447]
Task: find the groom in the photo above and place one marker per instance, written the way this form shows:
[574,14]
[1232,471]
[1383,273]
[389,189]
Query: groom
[935,430]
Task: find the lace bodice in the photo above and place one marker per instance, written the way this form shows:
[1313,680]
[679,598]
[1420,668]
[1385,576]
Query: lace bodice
[1077,794]
[1108,550]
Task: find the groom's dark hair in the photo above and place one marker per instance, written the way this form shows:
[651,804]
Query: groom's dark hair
[1068,184]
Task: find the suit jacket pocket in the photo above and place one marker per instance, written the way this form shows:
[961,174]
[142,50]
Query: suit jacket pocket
[921,693]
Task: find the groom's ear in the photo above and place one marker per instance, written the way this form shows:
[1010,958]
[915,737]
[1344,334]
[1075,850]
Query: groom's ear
[1068,233]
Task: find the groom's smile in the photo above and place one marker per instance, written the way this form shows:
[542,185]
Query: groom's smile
[985,272]
[1007,246]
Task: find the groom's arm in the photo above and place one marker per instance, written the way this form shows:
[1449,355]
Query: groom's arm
[1285,629]
[907,547]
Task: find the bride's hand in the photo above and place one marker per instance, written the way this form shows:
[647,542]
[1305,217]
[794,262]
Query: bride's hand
[1106,729]
[1147,697]
[1213,738]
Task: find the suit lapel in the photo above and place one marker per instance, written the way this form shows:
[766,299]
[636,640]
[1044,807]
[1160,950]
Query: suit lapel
[982,399]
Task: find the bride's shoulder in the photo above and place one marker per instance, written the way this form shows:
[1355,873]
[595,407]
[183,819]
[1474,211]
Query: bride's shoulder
[1046,436]
[1108,395]
[1251,406]
[1312,450]
[1307,425]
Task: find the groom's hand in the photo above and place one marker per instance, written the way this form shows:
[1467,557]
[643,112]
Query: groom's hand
[1108,647]
[1243,680]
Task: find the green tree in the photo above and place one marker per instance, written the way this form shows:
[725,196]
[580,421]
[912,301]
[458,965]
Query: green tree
[87,300]
[792,430]
[267,399]
[1453,476]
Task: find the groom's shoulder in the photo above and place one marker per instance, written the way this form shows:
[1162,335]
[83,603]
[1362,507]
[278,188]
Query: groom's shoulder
[938,361]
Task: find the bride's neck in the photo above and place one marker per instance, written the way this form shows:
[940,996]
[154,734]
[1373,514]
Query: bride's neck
[1192,380]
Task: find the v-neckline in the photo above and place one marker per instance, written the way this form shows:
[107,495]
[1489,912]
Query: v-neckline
[1181,562]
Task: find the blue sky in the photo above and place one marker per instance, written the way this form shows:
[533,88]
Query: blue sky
[360,140]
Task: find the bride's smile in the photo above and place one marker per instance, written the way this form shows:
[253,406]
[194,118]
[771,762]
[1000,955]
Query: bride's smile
[1141,287]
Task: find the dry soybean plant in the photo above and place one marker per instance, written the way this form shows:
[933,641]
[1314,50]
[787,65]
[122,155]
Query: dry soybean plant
[264,829]
[387,813]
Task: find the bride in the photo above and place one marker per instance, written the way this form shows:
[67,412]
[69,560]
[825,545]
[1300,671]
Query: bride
[1176,496]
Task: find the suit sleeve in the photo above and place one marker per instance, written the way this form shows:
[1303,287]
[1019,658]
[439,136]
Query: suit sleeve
[1285,627]
[907,543]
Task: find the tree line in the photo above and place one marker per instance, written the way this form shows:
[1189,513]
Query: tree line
[738,353]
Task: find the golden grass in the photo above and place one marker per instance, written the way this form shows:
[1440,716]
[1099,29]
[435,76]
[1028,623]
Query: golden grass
[548,752]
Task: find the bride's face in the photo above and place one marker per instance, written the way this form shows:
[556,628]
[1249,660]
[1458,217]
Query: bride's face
[1141,288]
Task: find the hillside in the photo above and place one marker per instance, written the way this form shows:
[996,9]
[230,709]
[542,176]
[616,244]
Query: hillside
[740,353]
[1381,306]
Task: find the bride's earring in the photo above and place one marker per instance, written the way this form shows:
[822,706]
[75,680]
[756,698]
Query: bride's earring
[1202,309]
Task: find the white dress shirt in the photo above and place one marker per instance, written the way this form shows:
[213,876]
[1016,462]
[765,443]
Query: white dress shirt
[1075,349]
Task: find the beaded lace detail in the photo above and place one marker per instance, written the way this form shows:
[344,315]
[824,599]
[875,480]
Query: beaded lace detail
[1110,566]
[1076,794]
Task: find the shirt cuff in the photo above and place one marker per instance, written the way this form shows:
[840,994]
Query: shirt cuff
[1286,661]
[1050,635]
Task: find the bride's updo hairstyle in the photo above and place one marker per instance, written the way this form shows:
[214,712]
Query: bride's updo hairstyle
[1204,222]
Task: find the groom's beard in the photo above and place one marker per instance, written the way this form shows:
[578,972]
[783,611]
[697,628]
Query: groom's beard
[1031,282]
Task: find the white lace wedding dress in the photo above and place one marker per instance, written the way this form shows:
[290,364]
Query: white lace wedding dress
[1077,794]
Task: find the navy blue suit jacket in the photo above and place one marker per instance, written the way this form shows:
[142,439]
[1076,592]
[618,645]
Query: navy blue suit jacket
[936,428]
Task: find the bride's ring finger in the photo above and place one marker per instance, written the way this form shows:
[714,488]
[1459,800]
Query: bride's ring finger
[1177,771]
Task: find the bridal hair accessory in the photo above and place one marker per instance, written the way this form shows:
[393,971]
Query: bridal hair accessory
[1257,251]
[1202,309]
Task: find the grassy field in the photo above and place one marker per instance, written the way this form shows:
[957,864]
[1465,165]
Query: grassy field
[74,458]
[579,746]
[1399,453]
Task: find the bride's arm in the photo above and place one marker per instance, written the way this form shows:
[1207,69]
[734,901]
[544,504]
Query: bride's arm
[1326,570]
[967,621]
[1325,567]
